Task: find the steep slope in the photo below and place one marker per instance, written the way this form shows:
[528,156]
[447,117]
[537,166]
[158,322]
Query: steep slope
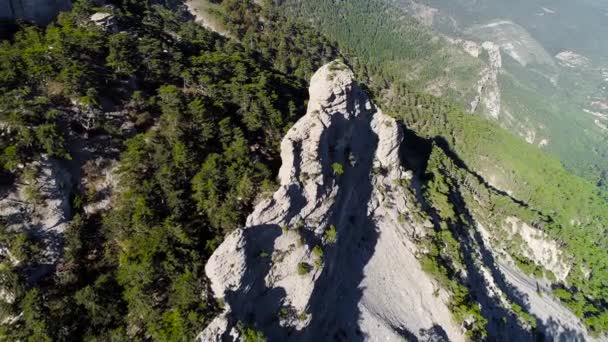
[542,98]
[574,212]
[124,158]
[354,247]
[199,124]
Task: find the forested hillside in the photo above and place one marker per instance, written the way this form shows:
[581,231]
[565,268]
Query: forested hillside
[407,51]
[194,120]
[541,101]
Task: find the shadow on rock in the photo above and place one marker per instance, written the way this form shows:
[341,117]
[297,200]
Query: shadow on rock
[253,304]
[503,324]
[334,303]
[554,331]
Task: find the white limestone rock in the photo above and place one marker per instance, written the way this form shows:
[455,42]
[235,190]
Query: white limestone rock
[106,21]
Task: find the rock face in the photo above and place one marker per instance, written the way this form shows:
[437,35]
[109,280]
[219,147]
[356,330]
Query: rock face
[538,247]
[106,21]
[488,90]
[37,11]
[203,17]
[514,40]
[555,321]
[366,284]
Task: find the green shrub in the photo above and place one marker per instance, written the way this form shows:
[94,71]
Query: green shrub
[337,168]
[318,252]
[250,335]
[331,235]
[284,313]
[304,268]
[524,316]
[337,66]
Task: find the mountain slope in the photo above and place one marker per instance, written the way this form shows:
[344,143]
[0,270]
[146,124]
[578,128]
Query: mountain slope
[550,74]
[539,99]
[354,247]
[127,149]
[165,157]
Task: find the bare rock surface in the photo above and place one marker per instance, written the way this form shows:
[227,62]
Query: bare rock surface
[200,10]
[540,248]
[106,21]
[47,214]
[367,284]
[557,322]
[99,182]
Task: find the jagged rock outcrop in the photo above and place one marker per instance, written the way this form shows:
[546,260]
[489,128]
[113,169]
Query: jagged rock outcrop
[368,284]
[106,21]
[488,91]
[555,321]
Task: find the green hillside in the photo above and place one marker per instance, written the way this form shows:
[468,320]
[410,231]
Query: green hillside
[197,104]
[544,102]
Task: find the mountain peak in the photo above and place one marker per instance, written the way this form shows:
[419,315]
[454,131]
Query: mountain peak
[332,81]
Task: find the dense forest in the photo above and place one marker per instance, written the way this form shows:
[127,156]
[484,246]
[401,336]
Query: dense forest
[208,114]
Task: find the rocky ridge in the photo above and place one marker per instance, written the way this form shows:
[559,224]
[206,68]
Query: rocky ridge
[366,283]
[335,253]
[488,90]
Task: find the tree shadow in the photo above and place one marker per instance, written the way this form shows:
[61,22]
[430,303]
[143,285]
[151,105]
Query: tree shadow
[434,334]
[253,303]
